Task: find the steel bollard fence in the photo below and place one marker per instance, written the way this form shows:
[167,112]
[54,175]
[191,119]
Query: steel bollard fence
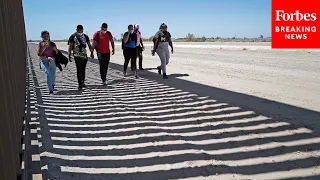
[13,48]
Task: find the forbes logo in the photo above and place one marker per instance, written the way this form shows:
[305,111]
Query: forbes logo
[281,15]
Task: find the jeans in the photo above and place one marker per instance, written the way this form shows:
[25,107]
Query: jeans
[104,60]
[50,70]
[81,64]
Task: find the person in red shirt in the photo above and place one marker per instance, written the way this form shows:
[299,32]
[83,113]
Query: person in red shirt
[101,43]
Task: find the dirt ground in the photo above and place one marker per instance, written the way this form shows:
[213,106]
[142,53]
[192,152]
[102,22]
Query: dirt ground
[224,113]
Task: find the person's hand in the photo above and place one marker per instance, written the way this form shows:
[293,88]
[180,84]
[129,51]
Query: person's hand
[112,51]
[54,48]
[69,57]
[172,51]
[43,46]
[153,52]
[142,48]
[91,55]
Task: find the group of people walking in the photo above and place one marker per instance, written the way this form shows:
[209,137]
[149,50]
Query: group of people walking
[79,45]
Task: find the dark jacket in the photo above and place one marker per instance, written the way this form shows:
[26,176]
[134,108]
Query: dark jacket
[60,59]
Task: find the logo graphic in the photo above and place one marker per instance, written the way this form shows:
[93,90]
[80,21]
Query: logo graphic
[295,24]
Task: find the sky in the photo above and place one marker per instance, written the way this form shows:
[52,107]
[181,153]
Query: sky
[209,18]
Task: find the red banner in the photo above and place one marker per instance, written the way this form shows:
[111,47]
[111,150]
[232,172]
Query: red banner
[295,24]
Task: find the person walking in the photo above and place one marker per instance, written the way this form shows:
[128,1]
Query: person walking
[77,44]
[129,50]
[161,47]
[101,42]
[46,50]
[139,44]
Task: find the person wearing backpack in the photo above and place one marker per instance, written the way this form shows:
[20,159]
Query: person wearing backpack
[46,50]
[161,47]
[101,43]
[77,44]
[129,50]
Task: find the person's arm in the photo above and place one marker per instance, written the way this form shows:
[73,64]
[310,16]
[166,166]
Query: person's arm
[126,37]
[171,45]
[71,41]
[112,44]
[141,42]
[156,36]
[41,48]
[89,44]
[69,50]
[94,41]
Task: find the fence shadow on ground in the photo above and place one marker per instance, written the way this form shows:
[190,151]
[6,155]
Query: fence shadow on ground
[152,128]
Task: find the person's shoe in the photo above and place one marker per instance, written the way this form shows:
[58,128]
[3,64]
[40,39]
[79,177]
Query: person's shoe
[141,69]
[51,93]
[80,87]
[124,73]
[84,85]
[165,76]
[159,70]
[104,82]
[136,74]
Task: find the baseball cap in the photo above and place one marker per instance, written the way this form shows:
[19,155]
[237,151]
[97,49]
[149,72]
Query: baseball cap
[136,26]
[163,25]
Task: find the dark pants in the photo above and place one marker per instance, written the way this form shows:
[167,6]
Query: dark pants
[130,54]
[104,60]
[81,64]
[139,55]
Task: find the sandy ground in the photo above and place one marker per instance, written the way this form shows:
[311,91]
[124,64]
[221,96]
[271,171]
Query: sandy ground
[225,113]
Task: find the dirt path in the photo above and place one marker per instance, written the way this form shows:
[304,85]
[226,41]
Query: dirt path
[149,128]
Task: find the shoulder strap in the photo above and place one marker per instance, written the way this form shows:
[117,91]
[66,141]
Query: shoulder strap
[98,38]
[78,38]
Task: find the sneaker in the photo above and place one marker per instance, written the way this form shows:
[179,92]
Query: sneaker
[84,85]
[124,73]
[159,70]
[141,69]
[104,82]
[51,93]
[136,74]
[165,76]
[80,87]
